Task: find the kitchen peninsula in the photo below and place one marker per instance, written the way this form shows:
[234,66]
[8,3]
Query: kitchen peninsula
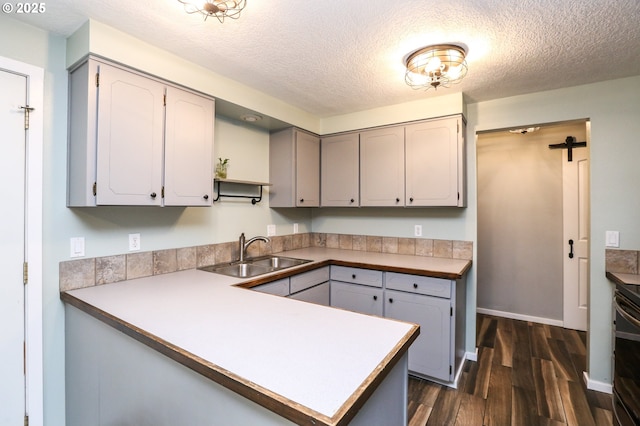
[204,350]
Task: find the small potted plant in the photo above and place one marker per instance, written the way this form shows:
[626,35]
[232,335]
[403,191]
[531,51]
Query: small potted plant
[221,168]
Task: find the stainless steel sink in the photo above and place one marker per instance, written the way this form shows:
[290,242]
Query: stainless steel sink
[241,270]
[254,267]
[278,262]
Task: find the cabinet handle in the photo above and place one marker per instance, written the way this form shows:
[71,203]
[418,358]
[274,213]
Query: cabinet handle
[397,200]
[206,196]
[302,200]
[353,276]
[415,285]
[352,200]
[153,195]
[390,300]
[375,297]
[411,199]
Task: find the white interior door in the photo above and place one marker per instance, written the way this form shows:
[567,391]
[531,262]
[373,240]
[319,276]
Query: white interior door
[575,190]
[13,94]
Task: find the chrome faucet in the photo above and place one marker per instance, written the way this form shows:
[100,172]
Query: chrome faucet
[242,245]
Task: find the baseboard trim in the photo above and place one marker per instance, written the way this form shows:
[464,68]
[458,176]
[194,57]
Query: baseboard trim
[471,356]
[465,357]
[597,385]
[521,317]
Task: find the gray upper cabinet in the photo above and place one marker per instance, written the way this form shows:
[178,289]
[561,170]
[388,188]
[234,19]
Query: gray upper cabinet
[434,153]
[382,167]
[294,169]
[188,149]
[340,170]
[126,147]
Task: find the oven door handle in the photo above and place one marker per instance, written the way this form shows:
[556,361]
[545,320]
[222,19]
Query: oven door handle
[624,306]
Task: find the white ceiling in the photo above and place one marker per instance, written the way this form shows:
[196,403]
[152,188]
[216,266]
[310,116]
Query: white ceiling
[339,56]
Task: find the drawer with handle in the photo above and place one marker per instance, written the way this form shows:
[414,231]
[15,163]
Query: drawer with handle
[418,284]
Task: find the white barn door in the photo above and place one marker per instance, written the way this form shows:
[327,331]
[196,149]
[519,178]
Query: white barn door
[575,194]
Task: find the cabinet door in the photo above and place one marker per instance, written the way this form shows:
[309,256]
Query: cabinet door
[318,294]
[129,144]
[307,170]
[430,354]
[340,171]
[308,279]
[188,173]
[382,167]
[279,287]
[432,174]
[357,298]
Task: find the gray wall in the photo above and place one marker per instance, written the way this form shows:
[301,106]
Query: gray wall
[520,244]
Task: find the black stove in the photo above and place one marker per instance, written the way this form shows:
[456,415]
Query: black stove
[626,377]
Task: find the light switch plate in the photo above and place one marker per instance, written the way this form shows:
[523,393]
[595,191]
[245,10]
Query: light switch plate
[271,230]
[295,228]
[77,247]
[612,239]
[417,231]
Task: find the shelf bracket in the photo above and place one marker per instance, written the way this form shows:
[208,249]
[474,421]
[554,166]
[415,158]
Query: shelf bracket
[254,198]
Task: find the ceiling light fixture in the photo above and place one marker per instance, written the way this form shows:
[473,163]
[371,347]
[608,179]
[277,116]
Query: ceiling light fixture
[251,118]
[525,130]
[436,66]
[219,8]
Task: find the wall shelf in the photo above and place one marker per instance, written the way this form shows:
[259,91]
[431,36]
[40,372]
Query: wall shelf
[230,184]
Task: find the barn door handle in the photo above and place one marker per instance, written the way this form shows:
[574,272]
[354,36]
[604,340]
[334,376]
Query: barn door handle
[570,249]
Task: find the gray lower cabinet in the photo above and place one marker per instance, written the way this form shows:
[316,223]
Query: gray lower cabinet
[357,289]
[279,287]
[357,298]
[318,294]
[311,286]
[437,305]
[430,354]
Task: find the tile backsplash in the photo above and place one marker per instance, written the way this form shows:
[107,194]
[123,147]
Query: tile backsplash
[79,273]
[622,261]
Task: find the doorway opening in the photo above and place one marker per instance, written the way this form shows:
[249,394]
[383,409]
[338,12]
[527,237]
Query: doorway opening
[526,200]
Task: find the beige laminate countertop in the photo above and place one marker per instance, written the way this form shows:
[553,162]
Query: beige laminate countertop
[187,315]
[437,267]
[621,278]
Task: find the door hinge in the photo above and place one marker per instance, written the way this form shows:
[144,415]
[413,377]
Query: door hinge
[97,79]
[451,311]
[457,127]
[26,420]
[27,111]
[164,99]
[450,369]
[162,192]
[95,188]
[25,273]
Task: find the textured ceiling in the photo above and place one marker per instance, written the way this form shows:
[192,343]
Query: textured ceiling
[334,56]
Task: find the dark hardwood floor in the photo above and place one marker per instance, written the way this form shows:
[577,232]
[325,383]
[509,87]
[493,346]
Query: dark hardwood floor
[526,374]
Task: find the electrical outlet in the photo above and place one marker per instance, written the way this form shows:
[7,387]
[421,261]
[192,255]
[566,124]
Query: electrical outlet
[295,228]
[134,242]
[77,247]
[271,230]
[417,231]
